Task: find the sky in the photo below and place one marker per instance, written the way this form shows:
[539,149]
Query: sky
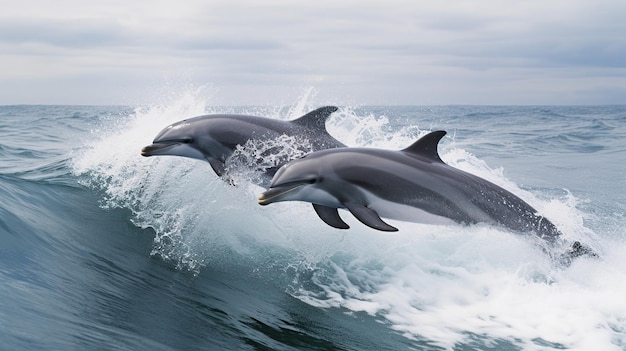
[268,52]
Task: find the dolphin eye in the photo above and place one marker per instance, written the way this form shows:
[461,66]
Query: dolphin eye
[186,140]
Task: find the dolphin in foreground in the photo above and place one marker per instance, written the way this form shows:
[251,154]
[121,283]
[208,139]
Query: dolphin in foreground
[213,138]
[412,185]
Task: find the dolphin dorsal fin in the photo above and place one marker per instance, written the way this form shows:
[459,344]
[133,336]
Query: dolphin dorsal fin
[317,118]
[426,146]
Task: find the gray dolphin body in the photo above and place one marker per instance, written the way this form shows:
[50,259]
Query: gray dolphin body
[412,184]
[213,138]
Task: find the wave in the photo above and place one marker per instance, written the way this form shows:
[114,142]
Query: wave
[447,285]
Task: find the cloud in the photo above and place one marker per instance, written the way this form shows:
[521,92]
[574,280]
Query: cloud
[75,34]
[409,52]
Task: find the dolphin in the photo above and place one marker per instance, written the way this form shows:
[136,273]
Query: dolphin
[213,138]
[412,184]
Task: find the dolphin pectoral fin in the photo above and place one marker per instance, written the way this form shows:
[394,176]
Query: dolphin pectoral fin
[369,217]
[217,165]
[330,216]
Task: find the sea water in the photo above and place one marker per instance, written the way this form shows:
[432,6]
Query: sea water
[101,248]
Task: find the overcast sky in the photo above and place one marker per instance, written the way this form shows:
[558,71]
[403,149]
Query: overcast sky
[352,52]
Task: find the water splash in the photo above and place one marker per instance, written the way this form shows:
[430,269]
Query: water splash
[250,162]
[448,285]
[300,108]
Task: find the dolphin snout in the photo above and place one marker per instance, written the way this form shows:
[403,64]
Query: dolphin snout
[155,149]
[145,151]
[267,197]
[263,200]
[278,193]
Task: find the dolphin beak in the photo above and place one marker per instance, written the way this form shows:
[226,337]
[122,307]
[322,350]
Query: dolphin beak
[156,149]
[277,193]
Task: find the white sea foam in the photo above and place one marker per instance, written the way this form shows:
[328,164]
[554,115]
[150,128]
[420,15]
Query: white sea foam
[447,284]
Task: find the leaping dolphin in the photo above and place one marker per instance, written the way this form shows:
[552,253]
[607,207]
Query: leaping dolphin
[412,184]
[213,138]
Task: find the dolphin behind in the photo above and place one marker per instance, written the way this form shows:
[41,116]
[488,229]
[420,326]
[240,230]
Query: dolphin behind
[213,138]
[412,184]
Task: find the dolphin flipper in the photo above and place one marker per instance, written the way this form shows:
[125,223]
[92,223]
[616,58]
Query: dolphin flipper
[330,216]
[369,217]
[218,166]
[316,119]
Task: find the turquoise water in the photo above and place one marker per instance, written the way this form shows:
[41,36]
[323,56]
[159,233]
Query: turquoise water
[104,249]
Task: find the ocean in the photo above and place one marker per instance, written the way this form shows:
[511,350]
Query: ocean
[103,249]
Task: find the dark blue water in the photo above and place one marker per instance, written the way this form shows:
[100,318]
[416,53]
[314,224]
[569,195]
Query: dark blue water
[103,249]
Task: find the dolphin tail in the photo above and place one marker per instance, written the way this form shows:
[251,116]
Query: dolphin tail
[369,217]
[576,250]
